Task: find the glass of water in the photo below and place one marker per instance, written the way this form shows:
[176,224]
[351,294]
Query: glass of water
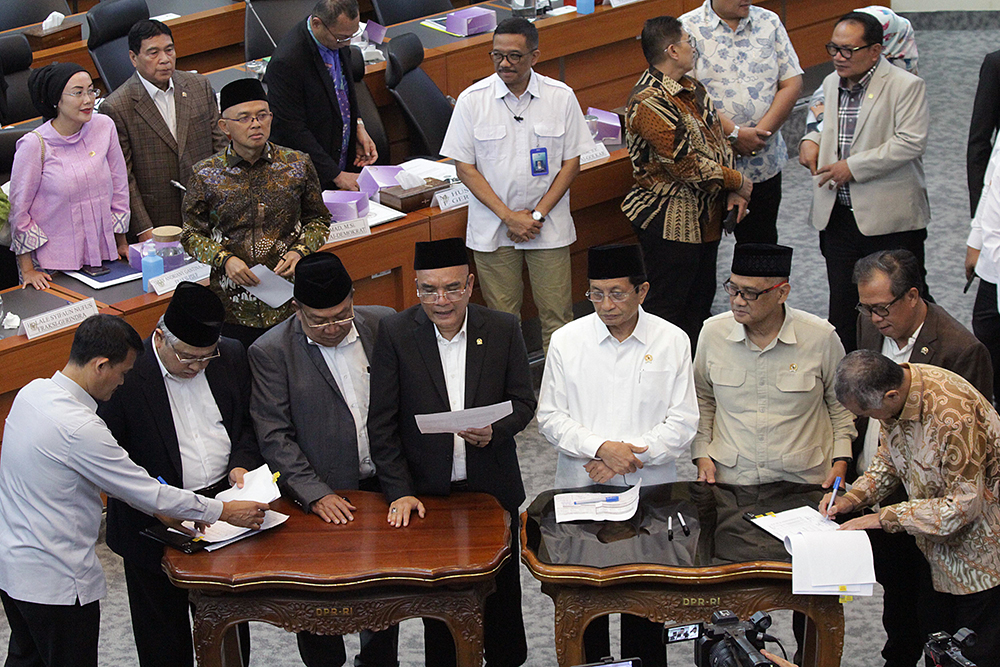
[524,9]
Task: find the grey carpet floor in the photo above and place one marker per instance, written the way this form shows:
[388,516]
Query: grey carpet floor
[950,64]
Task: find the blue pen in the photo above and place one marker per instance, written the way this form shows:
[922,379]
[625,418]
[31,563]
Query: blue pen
[161,480]
[607,499]
[833,496]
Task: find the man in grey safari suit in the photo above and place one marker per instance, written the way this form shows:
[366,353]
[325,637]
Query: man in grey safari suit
[167,121]
[310,411]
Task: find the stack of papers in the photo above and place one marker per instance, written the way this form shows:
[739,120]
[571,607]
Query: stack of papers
[258,485]
[825,561]
[597,506]
[457,421]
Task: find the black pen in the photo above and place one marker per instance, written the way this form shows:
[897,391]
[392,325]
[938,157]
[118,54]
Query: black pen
[687,531]
[670,528]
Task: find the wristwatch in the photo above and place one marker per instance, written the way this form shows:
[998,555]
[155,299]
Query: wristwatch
[734,135]
[536,216]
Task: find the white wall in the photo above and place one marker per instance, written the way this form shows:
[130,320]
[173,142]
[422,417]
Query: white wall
[944,5]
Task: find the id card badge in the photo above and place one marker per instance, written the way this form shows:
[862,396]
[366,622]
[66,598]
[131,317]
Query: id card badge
[539,162]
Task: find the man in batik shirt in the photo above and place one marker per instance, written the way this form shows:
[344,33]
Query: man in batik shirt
[253,203]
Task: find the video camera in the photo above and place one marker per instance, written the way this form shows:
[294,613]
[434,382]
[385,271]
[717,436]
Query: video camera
[726,641]
[944,650]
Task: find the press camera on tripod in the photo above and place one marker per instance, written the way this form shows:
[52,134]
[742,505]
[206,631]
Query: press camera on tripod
[726,641]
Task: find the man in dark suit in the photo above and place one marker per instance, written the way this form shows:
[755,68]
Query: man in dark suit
[310,409]
[442,355]
[183,414]
[895,321]
[311,92]
[167,120]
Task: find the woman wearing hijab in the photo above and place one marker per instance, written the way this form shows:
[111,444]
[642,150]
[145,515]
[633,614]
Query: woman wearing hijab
[69,203]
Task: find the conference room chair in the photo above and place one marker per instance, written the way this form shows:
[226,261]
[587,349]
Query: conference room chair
[15,61]
[367,108]
[108,42]
[389,12]
[19,13]
[426,108]
[268,21]
[8,143]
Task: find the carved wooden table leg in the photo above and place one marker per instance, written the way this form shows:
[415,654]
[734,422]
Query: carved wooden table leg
[576,606]
[343,613]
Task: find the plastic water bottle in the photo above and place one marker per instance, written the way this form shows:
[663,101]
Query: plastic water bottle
[584,6]
[152,266]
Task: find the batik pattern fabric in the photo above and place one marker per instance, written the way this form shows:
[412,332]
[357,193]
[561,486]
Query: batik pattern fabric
[257,212]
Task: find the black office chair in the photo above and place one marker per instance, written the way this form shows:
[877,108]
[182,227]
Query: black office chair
[108,42]
[426,108]
[367,108]
[15,62]
[278,17]
[8,261]
[389,12]
[19,13]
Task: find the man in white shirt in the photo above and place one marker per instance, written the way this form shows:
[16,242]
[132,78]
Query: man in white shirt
[618,403]
[57,457]
[167,121]
[310,409]
[183,414]
[986,225]
[516,138]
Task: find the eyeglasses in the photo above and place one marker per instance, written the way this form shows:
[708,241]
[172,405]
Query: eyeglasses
[748,294]
[452,295]
[340,39]
[190,361]
[513,57]
[845,51]
[596,296]
[90,92]
[880,310]
[335,323]
[694,47]
[244,119]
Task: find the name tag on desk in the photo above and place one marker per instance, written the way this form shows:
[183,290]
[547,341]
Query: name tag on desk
[167,282]
[349,229]
[57,319]
[454,197]
[598,152]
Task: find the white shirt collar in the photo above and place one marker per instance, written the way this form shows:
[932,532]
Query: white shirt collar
[152,89]
[78,392]
[351,336]
[459,336]
[501,90]
[639,333]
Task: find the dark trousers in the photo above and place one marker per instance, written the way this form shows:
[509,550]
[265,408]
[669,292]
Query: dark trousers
[378,649]
[905,576]
[51,635]
[681,280]
[160,621]
[246,335]
[843,244]
[986,326]
[641,638]
[980,612]
[503,622]
[761,223]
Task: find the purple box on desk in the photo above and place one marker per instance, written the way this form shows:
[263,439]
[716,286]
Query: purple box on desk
[375,32]
[609,127]
[345,204]
[135,254]
[374,178]
[471,21]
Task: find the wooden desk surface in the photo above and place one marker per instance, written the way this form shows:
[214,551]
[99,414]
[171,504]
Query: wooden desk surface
[465,536]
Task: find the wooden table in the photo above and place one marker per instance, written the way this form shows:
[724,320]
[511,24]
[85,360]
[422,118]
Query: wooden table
[338,579]
[590,569]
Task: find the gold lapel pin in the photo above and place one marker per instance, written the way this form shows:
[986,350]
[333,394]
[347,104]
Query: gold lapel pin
[924,350]
[92,153]
[793,367]
[648,358]
[871,95]
[479,341]
[183,94]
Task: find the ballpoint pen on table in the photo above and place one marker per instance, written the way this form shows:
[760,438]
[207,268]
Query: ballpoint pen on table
[670,528]
[687,531]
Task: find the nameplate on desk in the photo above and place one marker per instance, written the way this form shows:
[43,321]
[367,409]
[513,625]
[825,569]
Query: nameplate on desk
[349,229]
[620,3]
[167,282]
[455,197]
[54,320]
[598,152]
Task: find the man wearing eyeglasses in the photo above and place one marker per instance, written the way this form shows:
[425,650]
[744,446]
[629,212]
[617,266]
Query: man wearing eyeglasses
[894,319]
[312,94]
[869,191]
[517,138]
[310,409]
[183,414]
[255,203]
[167,121]
[764,375]
[618,404]
[440,355]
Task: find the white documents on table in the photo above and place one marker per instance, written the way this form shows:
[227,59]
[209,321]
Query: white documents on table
[273,290]
[825,561]
[462,420]
[606,506]
[425,168]
[258,485]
